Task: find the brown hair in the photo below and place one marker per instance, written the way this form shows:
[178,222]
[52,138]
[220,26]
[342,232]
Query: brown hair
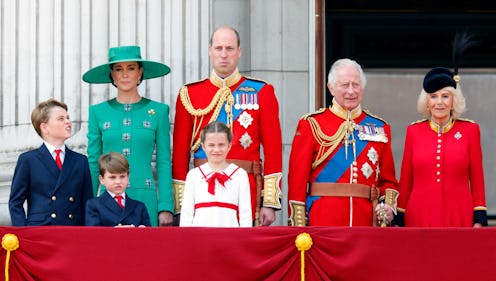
[41,113]
[114,163]
[216,127]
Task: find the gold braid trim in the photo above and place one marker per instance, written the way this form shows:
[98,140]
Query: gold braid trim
[297,215]
[220,97]
[272,194]
[326,142]
[178,190]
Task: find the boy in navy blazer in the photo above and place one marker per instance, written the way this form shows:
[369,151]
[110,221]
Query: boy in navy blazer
[54,180]
[114,207]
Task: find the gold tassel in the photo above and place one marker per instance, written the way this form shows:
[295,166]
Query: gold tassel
[10,242]
[303,243]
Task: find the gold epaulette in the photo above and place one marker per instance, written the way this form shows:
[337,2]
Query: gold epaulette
[466,120]
[256,79]
[321,110]
[376,117]
[418,121]
[194,82]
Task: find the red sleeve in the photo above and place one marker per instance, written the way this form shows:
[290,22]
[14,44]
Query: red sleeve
[476,169]
[406,176]
[183,127]
[300,162]
[270,130]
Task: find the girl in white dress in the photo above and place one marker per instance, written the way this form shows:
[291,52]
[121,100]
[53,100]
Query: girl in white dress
[217,193]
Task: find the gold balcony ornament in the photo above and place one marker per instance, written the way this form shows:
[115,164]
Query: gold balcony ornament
[10,242]
[303,243]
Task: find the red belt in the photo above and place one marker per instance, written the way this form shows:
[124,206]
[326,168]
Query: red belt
[216,204]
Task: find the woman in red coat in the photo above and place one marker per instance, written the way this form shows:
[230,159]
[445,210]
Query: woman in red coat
[442,178]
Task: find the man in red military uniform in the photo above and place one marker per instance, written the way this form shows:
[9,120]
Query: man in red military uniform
[249,107]
[341,163]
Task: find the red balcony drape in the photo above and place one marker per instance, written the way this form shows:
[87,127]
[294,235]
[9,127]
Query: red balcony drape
[263,253]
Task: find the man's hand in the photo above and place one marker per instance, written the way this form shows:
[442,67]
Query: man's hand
[388,213]
[165,218]
[267,216]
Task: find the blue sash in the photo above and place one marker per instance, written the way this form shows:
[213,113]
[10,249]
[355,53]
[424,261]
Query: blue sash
[254,87]
[338,165]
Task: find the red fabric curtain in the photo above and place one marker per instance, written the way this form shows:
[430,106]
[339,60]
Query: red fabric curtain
[263,253]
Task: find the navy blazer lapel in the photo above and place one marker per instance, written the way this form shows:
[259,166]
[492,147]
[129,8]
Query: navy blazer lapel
[111,204]
[47,160]
[67,166]
[128,208]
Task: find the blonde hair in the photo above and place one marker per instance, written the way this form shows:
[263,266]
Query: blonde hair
[458,102]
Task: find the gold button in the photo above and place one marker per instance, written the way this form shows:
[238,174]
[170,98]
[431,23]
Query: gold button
[71,199]
[53,215]
[54,198]
[71,216]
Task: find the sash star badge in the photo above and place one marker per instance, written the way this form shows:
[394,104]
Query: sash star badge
[458,135]
[366,170]
[245,119]
[373,156]
[245,140]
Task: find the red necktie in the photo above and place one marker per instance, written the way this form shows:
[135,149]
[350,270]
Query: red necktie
[57,159]
[119,201]
[220,177]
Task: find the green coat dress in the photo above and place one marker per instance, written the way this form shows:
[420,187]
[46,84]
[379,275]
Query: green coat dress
[134,130]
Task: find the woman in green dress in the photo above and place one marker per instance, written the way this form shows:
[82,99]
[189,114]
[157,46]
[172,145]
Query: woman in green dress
[135,127]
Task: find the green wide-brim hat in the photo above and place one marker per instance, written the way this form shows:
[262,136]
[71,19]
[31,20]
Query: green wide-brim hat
[101,73]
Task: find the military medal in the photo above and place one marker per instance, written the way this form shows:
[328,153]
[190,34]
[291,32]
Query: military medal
[245,119]
[237,106]
[255,103]
[372,133]
[250,103]
[243,101]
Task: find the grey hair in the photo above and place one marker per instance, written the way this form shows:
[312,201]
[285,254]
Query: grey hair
[331,77]
[458,102]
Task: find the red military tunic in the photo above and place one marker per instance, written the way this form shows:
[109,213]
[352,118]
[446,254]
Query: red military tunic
[442,178]
[255,123]
[373,165]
